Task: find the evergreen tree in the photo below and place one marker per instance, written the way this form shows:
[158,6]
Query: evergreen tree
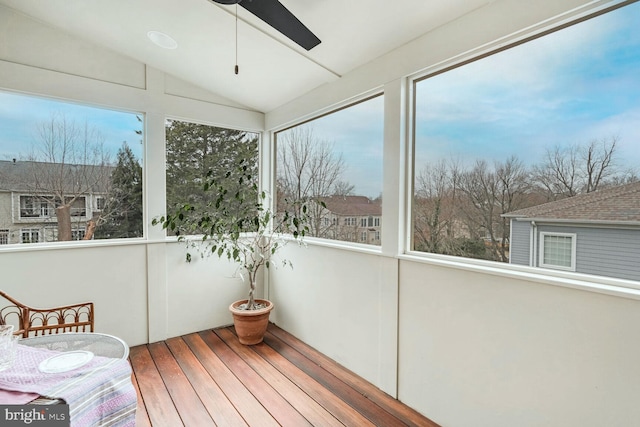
[199,153]
[122,214]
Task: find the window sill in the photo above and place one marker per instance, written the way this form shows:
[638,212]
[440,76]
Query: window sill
[604,285]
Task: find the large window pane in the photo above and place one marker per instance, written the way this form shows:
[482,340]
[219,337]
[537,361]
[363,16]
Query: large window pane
[195,151]
[337,159]
[557,250]
[68,171]
[539,138]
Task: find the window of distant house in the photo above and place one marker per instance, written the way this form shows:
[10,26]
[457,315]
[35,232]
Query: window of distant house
[4,236]
[336,158]
[57,160]
[540,122]
[558,250]
[100,203]
[196,150]
[77,234]
[30,235]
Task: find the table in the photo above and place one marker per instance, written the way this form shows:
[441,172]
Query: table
[99,344]
[98,392]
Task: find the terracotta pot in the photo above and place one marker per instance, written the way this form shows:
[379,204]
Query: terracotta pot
[251,325]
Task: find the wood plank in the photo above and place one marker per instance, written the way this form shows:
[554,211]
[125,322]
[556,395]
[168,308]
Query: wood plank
[405,413]
[213,398]
[244,402]
[209,377]
[333,384]
[142,417]
[285,414]
[309,408]
[186,401]
[157,400]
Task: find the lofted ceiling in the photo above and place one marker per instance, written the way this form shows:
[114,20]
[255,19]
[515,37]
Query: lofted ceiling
[273,69]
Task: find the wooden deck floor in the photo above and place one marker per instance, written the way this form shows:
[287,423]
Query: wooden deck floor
[208,378]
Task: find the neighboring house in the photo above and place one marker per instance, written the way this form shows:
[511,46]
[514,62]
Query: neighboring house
[27,212]
[596,233]
[351,219]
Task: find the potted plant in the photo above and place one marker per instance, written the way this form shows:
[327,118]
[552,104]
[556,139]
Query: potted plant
[233,222]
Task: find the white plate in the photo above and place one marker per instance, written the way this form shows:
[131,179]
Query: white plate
[65,361]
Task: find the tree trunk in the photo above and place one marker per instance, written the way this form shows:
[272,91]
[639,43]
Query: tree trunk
[63,214]
[89,230]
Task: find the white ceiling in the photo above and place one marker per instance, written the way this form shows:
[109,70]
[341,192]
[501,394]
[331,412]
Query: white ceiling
[273,69]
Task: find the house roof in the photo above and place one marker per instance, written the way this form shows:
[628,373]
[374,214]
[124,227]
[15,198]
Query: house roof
[273,70]
[22,176]
[353,205]
[620,204]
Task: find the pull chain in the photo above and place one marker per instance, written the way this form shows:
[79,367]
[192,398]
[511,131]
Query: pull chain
[237,69]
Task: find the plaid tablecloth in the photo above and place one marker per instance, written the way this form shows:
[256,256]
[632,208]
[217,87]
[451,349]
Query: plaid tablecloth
[99,393]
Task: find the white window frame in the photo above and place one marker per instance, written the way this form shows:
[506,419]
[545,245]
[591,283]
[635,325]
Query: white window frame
[574,238]
[31,232]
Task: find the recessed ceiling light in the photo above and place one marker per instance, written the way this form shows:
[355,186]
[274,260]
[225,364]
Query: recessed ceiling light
[162,40]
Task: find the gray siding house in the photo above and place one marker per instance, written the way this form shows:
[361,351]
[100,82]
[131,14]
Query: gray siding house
[596,233]
[27,212]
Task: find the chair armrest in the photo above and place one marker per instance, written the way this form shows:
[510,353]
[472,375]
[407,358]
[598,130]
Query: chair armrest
[42,321]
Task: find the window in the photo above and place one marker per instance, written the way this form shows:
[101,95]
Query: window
[363,222]
[30,235]
[558,250]
[77,234]
[350,221]
[541,122]
[363,236]
[100,203]
[4,236]
[336,158]
[376,222]
[34,207]
[195,150]
[58,158]
[78,207]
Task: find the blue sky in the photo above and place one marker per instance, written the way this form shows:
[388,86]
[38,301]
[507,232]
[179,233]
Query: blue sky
[570,87]
[357,135]
[20,116]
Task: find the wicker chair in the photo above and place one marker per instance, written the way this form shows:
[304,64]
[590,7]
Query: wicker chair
[30,321]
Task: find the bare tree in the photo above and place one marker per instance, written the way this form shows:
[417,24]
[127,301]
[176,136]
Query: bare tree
[512,194]
[434,208]
[343,188]
[598,158]
[487,193]
[68,163]
[576,169]
[308,167]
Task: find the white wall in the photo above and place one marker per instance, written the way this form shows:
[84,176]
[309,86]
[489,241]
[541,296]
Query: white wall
[205,286]
[483,350]
[343,303]
[109,276]
[474,348]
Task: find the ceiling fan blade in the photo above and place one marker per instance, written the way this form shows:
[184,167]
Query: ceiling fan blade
[275,14]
